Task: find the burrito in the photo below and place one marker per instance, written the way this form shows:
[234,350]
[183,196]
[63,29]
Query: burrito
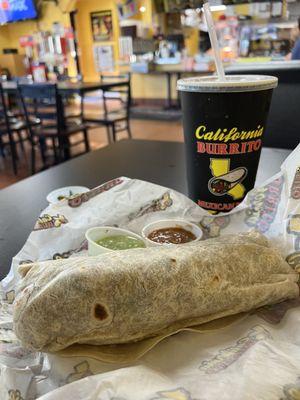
[126,296]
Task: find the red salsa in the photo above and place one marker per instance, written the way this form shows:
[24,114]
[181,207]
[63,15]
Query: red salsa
[171,236]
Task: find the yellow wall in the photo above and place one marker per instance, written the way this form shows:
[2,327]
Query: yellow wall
[4,37]
[146,16]
[191,41]
[10,34]
[50,13]
[84,32]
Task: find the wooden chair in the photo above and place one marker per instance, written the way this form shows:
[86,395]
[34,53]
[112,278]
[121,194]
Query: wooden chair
[12,128]
[115,120]
[43,101]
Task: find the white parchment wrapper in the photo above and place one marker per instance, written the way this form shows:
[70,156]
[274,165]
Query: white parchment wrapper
[256,358]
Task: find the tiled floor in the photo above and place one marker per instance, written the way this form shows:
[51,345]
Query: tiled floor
[141,129]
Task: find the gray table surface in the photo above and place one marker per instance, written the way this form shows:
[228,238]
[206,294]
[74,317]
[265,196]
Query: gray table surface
[158,162]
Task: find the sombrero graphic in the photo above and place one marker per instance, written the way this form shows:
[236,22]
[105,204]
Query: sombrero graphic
[222,184]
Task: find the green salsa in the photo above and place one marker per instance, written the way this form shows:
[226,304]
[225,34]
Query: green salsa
[120,242]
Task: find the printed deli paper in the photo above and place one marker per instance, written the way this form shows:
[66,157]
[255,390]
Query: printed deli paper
[257,357]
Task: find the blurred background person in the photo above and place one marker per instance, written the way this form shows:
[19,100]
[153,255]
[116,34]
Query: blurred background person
[295,53]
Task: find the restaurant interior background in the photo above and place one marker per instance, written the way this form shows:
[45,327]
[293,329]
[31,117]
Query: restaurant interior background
[148,44]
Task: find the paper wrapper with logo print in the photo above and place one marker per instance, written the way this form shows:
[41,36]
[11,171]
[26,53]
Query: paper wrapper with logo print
[255,357]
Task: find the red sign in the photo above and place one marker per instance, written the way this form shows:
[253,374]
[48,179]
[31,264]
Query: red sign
[26,41]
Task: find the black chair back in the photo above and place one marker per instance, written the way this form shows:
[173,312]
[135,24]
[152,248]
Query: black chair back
[124,90]
[42,101]
[5,128]
[4,118]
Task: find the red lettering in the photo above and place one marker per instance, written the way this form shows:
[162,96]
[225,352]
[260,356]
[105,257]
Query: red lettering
[217,206]
[250,146]
[234,148]
[263,225]
[257,144]
[296,193]
[273,189]
[269,209]
[222,148]
[243,147]
[272,199]
[211,148]
[200,147]
[277,181]
[267,217]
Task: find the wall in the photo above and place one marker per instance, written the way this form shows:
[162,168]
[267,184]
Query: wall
[49,13]
[4,37]
[84,32]
[10,34]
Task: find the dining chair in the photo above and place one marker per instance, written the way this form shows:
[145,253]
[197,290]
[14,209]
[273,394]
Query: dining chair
[114,119]
[13,131]
[42,101]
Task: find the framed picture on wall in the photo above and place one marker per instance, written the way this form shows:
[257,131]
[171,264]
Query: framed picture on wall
[126,8]
[102,27]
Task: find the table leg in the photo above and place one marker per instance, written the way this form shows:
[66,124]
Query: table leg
[81,106]
[67,153]
[178,75]
[169,98]
[64,142]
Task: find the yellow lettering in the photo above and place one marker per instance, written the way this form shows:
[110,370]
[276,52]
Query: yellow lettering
[218,135]
[208,135]
[232,135]
[261,131]
[231,132]
[201,128]
[249,135]
[235,136]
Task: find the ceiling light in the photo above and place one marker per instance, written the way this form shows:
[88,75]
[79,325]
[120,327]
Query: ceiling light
[142,9]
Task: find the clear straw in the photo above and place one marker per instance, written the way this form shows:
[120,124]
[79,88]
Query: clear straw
[214,41]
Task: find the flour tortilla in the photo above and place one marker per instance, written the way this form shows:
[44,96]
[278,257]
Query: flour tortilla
[130,295]
[129,352]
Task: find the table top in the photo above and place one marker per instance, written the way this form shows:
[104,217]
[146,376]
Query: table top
[74,87]
[155,161]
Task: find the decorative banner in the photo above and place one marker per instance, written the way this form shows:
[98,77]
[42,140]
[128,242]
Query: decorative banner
[102,28]
[126,8]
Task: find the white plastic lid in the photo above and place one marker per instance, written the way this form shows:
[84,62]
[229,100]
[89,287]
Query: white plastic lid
[233,83]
